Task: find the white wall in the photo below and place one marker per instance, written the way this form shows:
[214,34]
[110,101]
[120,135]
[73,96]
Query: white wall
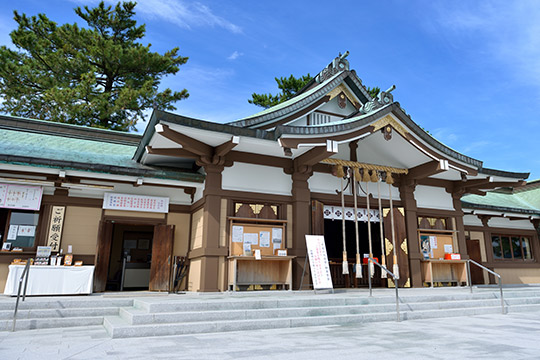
[328,184]
[175,195]
[500,222]
[472,220]
[256,178]
[433,198]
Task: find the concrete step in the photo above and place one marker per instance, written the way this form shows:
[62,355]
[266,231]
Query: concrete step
[59,313]
[46,323]
[118,327]
[32,303]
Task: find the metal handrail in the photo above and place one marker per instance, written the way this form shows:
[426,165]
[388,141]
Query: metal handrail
[24,275]
[395,282]
[469,261]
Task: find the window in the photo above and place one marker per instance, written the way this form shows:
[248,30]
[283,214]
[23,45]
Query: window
[511,247]
[19,228]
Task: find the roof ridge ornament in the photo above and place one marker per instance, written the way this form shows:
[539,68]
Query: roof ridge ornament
[382,99]
[340,63]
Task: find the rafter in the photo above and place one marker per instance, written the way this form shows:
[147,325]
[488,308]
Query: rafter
[176,152]
[425,170]
[188,143]
[226,147]
[316,154]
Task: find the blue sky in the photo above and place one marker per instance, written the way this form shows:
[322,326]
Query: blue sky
[466,71]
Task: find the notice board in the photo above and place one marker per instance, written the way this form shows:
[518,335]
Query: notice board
[246,238]
[318,262]
[436,245]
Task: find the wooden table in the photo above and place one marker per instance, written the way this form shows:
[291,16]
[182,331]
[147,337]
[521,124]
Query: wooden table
[445,271]
[269,270]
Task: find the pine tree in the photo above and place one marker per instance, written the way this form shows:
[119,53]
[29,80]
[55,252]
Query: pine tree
[289,87]
[99,75]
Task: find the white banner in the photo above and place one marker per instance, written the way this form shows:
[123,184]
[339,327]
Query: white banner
[335,213]
[136,203]
[22,197]
[318,262]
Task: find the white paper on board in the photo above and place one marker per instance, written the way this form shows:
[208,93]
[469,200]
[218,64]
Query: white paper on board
[247,247]
[447,248]
[277,235]
[12,232]
[257,254]
[237,234]
[277,246]
[433,242]
[264,238]
[26,230]
[251,238]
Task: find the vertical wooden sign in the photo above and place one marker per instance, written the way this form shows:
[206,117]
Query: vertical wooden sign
[54,236]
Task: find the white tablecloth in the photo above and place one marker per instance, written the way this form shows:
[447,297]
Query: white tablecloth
[51,280]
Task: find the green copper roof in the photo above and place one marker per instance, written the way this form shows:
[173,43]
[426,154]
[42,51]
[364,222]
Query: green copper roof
[526,200]
[53,147]
[45,148]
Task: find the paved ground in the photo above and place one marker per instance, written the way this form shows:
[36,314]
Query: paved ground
[512,336]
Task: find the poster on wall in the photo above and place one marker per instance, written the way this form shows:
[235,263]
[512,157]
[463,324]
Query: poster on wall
[129,202]
[54,235]
[20,196]
[318,262]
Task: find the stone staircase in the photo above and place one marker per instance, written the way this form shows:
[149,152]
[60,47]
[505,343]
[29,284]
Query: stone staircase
[152,315]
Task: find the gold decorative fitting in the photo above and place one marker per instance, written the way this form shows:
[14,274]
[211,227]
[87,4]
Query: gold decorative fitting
[389,120]
[404,247]
[391,283]
[385,212]
[402,211]
[388,245]
[408,283]
[342,89]
[355,164]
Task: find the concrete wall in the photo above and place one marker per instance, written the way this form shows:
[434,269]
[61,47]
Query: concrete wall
[256,178]
[81,225]
[519,276]
[181,232]
[194,277]
[197,229]
[4,269]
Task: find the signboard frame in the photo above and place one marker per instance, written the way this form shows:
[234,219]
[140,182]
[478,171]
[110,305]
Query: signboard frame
[318,263]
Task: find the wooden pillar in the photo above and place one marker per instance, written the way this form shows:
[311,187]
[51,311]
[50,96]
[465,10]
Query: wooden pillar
[406,192]
[211,250]
[301,201]
[460,227]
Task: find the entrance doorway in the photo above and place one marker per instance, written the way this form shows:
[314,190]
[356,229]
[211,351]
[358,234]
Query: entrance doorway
[131,257]
[334,246]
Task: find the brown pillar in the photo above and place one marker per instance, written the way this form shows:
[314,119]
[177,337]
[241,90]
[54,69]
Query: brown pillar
[210,243]
[301,198]
[460,227]
[406,192]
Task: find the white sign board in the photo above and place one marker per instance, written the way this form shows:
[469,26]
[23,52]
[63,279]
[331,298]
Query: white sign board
[20,196]
[318,262]
[136,203]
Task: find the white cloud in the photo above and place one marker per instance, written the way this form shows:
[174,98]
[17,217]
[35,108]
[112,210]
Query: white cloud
[185,14]
[235,55]
[507,32]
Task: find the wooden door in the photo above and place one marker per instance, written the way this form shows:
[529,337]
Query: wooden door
[402,250]
[317,218]
[162,250]
[473,249]
[103,254]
